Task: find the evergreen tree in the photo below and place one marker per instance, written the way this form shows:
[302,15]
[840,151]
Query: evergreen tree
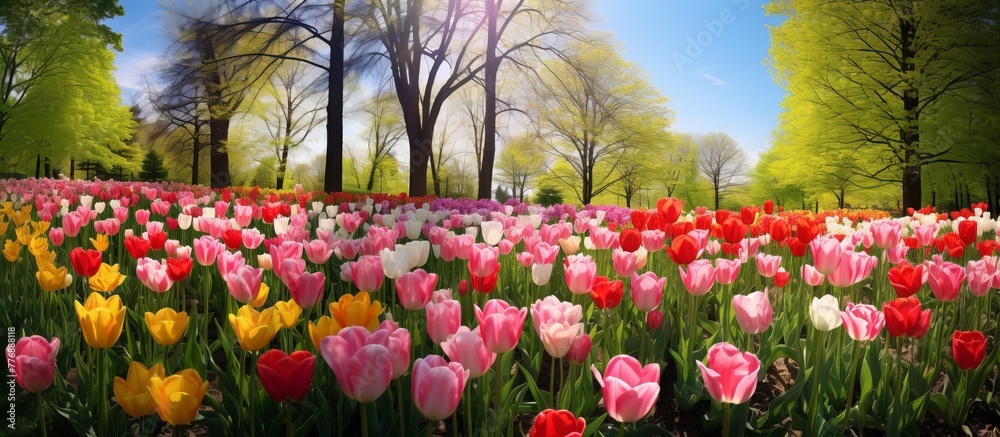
[548,196]
[501,195]
[152,168]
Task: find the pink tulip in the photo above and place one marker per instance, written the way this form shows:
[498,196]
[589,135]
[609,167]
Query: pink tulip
[862,322]
[206,249]
[360,361]
[853,268]
[501,324]
[603,238]
[826,253]
[72,222]
[652,240]
[229,261]
[726,271]
[980,276]
[437,386]
[121,213]
[753,312]
[153,274]
[443,319]
[526,259]
[647,291]
[580,272]
[307,290]
[557,324]
[767,265]
[483,260]
[580,349]
[252,238]
[887,233]
[414,289]
[367,273]
[244,283]
[898,252]
[468,349]
[629,390]
[399,346]
[811,276]
[35,362]
[699,277]
[625,263]
[925,234]
[56,236]
[731,375]
[243,214]
[944,278]
[142,216]
[545,253]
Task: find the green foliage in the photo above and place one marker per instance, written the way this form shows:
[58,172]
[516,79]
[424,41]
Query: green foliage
[501,195]
[548,196]
[153,169]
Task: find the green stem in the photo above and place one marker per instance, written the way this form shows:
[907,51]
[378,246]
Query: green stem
[850,387]
[41,415]
[289,424]
[552,382]
[364,420]
[430,426]
[817,363]
[725,420]
[402,424]
[621,429]
[102,355]
[467,414]
[496,394]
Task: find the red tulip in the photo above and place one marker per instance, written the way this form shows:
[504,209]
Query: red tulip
[561,423]
[670,209]
[748,214]
[806,230]
[157,240]
[630,239]
[769,207]
[654,319]
[485,284]
[638,218]
[907,279]
[684,249]
[286,377]
[968,230]
[85,262]
[781,278]
[778,230]
[607,293]
[968,348]
[953,243]
[734,230]
[178,269]
[233,239]
[137,247]
[903,317]
[703,221]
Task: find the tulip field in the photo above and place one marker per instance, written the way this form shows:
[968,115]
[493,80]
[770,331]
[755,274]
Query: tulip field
[151,309]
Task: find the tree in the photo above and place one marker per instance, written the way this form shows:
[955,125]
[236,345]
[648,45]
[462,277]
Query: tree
[152,168]
[548,196]
[520,162]
[58,98]
[592,108]
[385,130]
[427,47]
[894,80]
[290,113]
[722,161]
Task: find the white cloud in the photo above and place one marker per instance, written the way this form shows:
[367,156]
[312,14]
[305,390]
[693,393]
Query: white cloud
[712,79]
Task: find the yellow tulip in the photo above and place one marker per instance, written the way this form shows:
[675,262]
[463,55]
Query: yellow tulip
[107,278]
[21,217]
[3,225]
[324,327]
[38,228]
[287,312]
[357,310]
[45,257]
[167,326]
[100,243]
[261,296]
[38,246]
[23,234]
[101,320]
[254,329]
[52,278]
[132,393]
[350,310]
[11,250]
[176,398]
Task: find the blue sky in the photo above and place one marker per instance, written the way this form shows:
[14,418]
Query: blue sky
[706,56]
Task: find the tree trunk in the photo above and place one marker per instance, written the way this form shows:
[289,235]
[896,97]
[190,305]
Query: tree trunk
[38,166]
[333,180]
[371,178]
[421,152]
[219,134]
[47,172]
[716,196]
[195,160]
[490,119]
[282,167]
[910,132]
